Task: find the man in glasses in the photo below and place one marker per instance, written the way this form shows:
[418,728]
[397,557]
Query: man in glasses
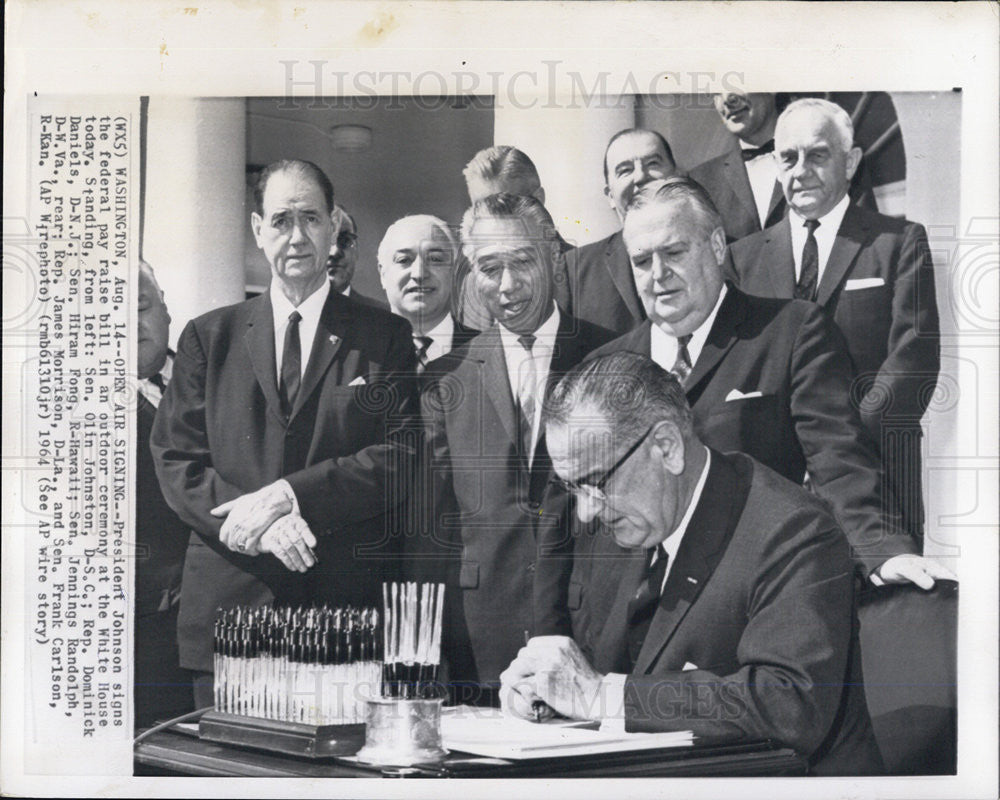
[499,526]
[770,378]
[729,590]
[343,260]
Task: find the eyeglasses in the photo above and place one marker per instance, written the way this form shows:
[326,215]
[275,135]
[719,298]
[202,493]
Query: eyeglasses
[594,489]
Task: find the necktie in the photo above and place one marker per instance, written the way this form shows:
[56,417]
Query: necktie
[158,382]
[682,364]
[750,153]
[291,364]
[642,606]
[526,399]
[805,289]
[422,344]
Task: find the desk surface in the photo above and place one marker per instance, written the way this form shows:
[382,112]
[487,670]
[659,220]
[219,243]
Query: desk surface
[173,753]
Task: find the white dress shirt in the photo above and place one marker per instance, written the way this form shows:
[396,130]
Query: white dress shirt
[613,684]
[541,354]
[763,174]
[150,390]
[311,308]
[825,234]
[663,346]
[441,336]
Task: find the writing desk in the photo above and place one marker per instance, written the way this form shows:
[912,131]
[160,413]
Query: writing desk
[172,752]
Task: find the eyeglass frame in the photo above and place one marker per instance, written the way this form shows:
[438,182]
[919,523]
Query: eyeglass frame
[595,491]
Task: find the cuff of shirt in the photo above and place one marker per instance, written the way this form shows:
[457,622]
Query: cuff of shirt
[286,488]
[613,702]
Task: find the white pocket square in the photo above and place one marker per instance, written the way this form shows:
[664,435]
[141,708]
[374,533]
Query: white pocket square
[358,381]
[863,283]
[688,666]
[736,394]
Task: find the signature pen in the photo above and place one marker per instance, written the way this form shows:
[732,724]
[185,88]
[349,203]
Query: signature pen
[537,706]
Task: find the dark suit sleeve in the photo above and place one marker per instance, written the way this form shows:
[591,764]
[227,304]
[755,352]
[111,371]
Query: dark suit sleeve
[367,483]
[905,382]
[792,653]
[180,446]
[841,458]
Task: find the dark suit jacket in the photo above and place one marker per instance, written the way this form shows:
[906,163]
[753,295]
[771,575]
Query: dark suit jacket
[601,287]
[219,433]
[891,328]
[726,181]
[161,536]
[365,300]
[500,530]
[792,354]
[759,601]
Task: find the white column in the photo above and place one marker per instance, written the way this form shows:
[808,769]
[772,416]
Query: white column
[567,145]
[195,220]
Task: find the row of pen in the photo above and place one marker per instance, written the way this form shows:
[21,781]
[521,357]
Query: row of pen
[319,665]
[316,666]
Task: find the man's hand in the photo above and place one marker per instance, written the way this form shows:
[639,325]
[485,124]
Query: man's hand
[247,517]
[913,569]
[554,670]
[291,542]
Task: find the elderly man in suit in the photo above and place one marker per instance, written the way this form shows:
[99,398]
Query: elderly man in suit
[874,276]
[417,259]
[283,437]
[770,378]
[499,526]
[162,688]
[731,594]
[602,285]
[744,185]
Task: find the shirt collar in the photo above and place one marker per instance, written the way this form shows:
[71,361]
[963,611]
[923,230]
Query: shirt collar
[310,308]
[698,338]
[673,542]
[443,331]
[544,335]
[829,223]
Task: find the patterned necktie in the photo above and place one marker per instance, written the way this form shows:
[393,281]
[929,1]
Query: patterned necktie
[527,380]
[750,153]
[642,606]
[805,289]
[291,364]
[422,344]
[682,364]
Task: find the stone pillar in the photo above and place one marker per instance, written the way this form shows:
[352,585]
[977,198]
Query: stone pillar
[195,220]
[567,145]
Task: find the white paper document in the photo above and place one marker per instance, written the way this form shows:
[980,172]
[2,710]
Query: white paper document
[506,737]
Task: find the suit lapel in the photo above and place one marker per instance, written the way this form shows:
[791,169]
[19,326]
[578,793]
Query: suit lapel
[329,336]
[629,568]
[851,235]
[259,340]
[777,207]
[739,183]
[703,546]
[778,260]
[720,338]
[496,384]
[618,265]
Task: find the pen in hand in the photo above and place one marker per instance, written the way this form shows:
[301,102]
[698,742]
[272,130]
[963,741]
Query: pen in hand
[537,706]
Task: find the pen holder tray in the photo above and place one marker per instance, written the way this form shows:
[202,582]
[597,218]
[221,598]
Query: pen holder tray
[293,738]
[402,732]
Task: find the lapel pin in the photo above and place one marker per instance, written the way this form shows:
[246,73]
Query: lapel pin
[692,580]
[334,338]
